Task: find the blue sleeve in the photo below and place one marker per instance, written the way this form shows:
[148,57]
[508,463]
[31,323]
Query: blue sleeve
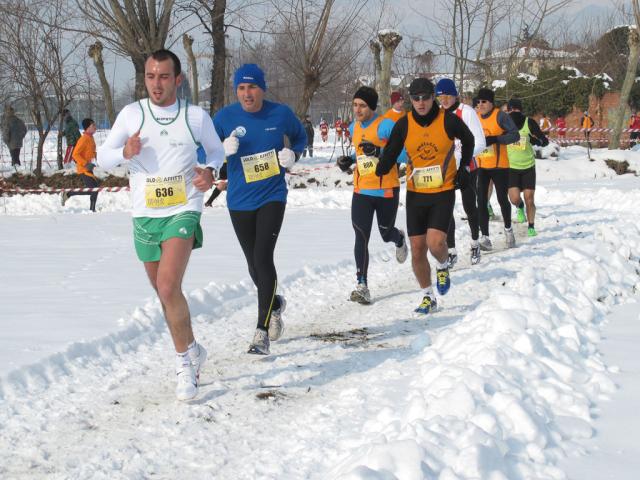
[384,129]
[217,124]
[384,132]
[295,132]
[403,157]
[351,126]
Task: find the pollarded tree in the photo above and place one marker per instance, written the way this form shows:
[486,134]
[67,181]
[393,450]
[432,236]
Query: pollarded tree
[131,28]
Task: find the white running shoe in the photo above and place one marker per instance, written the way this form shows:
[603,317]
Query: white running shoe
[485,243]
[260,343]
[187,387]
[276,325]
[402,251]
[509,237]
[361,294]
[197,363]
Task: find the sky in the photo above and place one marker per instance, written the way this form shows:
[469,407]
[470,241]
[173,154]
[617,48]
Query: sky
[120,69]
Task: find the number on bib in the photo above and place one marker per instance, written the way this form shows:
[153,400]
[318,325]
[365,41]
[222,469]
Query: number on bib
[428,177]
[367,165]
[260,166]
[161,192]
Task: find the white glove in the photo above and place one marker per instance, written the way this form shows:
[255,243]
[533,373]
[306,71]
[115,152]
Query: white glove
[286,157]
[231,144]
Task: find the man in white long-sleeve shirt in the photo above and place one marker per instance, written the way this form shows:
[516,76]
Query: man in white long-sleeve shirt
[447,96]
[158,138]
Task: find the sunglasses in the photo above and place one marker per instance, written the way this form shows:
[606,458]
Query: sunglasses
[421,97]
[484,101]
[444,97]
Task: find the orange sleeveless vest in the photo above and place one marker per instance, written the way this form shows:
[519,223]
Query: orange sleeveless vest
[494,156]
[429,147]
[369,180]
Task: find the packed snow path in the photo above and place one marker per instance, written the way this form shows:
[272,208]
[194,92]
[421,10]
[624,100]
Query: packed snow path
[500,384]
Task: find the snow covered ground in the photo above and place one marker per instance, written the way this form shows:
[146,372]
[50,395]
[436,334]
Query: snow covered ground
[527,372]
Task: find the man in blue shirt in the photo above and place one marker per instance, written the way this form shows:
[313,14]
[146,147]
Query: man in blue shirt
[261,139]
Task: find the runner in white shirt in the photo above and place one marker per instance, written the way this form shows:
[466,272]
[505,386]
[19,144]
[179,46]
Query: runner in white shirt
[447,96]
[158,139]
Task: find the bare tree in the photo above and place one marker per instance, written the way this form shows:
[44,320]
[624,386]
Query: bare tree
[389,40]
[187,42]
[35,58]
[376,51]
[132,28]
[629,79]
[95,53]
[211,14]
[470,28]
[314,46]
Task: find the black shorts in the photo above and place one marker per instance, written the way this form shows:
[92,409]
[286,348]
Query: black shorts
[429,210]
[523,179]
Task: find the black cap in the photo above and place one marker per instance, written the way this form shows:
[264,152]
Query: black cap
[369,95]
[486,94]
[515,104]
[421,86]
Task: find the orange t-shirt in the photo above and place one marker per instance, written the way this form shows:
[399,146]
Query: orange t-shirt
[83,153]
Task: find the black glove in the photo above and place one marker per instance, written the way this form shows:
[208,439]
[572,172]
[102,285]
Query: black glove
[491,140]
[462,178]
[344,163]
[369,149]
[90,166]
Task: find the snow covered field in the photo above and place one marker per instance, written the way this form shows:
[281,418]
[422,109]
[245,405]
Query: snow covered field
[527,372]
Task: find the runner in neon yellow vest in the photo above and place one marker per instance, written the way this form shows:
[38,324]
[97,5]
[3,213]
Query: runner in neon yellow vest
[522,164]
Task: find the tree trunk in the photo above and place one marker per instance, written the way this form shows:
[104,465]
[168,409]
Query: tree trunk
[377,63]
[311,85]
[60,157]
[95,52]
[187,42]
[219,65]
[138,65]
[629,78]
[390,41]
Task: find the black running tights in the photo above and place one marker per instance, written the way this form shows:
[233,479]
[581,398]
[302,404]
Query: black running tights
[469,199]
[500,177]
[363,208]
[257,231]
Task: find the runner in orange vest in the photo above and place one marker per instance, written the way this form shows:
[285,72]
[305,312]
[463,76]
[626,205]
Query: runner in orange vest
[371,194]
[427,136]
[396,112]
[499,131]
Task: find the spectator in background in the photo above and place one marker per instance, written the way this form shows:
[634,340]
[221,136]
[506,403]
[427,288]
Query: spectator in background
[561,125]
[634,124]
[13,132]
[84,154]
[324,130]
[586,123]
[71,132]
[308,128]
[545,124]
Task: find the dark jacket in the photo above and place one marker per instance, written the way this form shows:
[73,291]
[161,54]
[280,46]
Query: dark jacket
[13,131]
[308,127]
[71,130]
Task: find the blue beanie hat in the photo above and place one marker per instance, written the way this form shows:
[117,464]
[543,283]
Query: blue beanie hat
[249,73]
[446,86]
